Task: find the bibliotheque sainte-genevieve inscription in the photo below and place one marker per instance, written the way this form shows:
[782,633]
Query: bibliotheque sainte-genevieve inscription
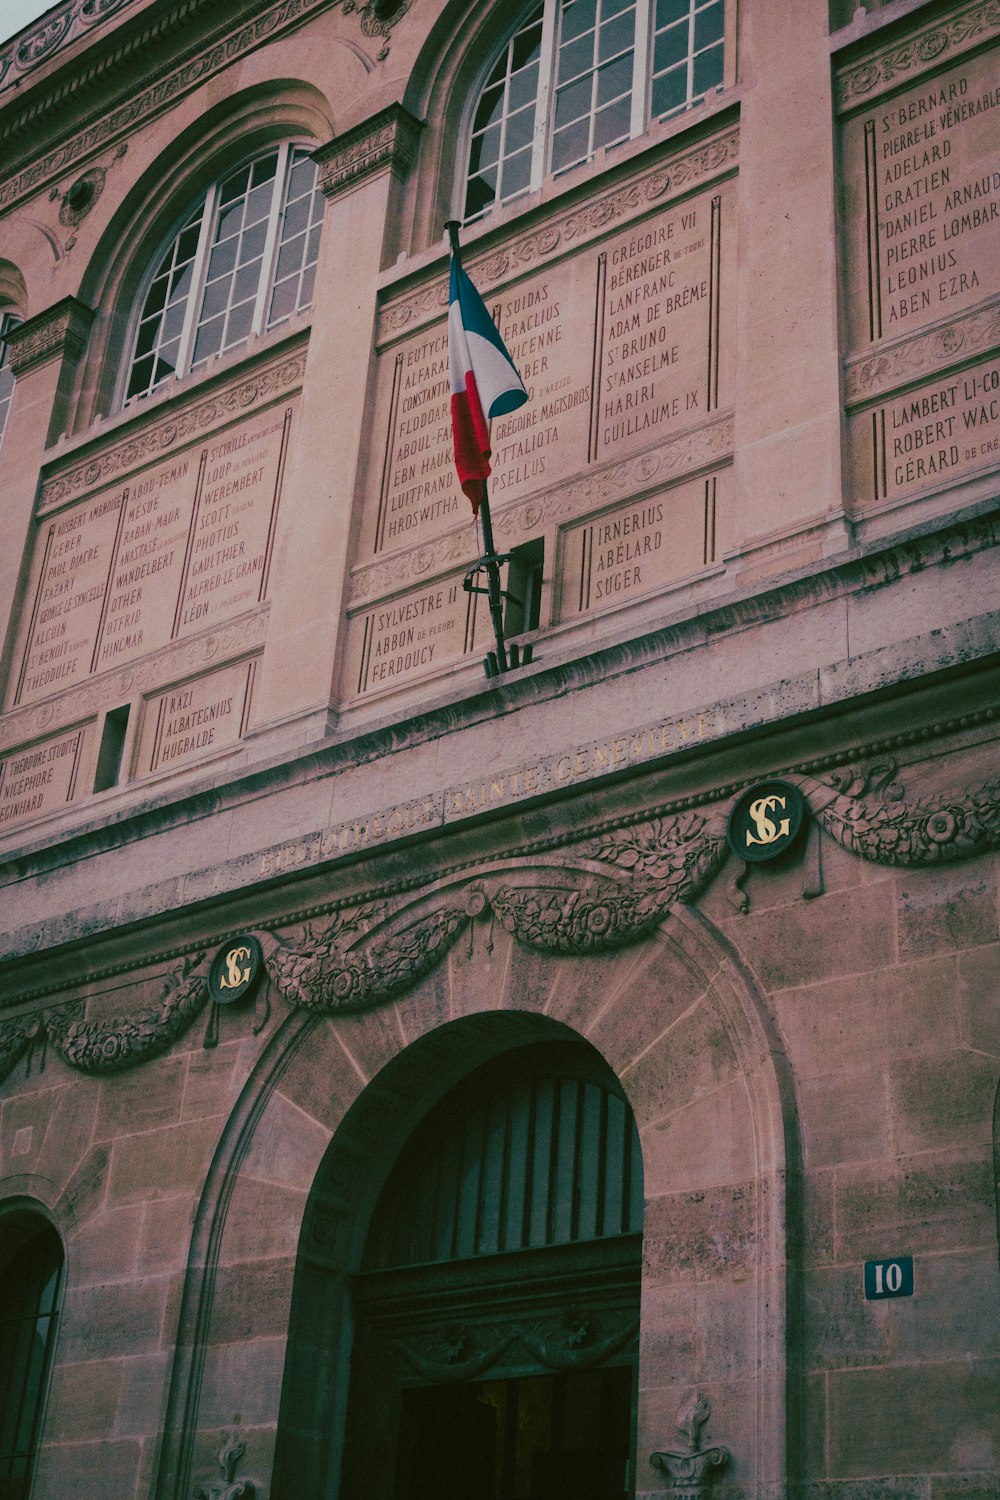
[620,346]
[922,172]
[176,548]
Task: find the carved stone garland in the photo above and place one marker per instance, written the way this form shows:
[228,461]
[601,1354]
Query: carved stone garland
[360,960]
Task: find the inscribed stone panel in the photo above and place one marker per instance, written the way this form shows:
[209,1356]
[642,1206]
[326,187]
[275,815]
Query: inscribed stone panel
[40,779]
[205,713]
[922,197]
[180,546]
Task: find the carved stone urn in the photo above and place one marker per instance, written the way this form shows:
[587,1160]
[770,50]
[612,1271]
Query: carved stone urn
[689,1469]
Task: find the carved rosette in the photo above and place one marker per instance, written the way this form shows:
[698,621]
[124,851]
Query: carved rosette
[60,329]
[386,142]
[125,1041]
[322,974]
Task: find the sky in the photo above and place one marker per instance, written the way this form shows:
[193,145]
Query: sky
[16,14]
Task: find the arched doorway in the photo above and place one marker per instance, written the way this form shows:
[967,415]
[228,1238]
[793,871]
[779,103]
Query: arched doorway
[494,1303]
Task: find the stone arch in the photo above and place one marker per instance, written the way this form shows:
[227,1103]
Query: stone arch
[13,291]
[679,1021]
[440,89]
[219,137]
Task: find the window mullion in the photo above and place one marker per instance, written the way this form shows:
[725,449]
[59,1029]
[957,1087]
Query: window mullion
[281,173]
[543,105]
[199,274]
[642,67]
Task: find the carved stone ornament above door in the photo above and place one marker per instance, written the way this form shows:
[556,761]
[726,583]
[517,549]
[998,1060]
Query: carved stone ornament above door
[590,898]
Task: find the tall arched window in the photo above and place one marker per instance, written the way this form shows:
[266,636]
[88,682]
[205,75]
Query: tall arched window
[242,261]
[31,1261]
[581,74]
[498,1302]
[7,322]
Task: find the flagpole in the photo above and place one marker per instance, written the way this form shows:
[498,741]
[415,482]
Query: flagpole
[490,560]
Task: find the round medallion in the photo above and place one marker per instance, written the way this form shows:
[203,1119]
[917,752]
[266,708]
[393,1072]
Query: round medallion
[766,821]
[235,969]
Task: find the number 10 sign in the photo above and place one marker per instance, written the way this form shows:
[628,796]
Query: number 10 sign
[889,1278]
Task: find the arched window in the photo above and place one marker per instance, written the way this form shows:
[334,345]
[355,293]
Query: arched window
[242,261]
[581,74]
[498,1302]
[8,321]
[31,1261]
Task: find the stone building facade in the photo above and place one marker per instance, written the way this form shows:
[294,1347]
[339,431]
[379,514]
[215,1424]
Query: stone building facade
[580,1081]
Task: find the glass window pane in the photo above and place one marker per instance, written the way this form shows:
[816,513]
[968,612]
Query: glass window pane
[616,36]
[283,301]
[259,203]
[264,169]
[230,221]
[479,195]
[209,340]
[516,174]
[708,70]
[141,374]
[577,16]
[708,25]
[576,58]
[252,246]
[526,45]
[216,298]
[612,124]
[668,11]
[523,88]
[571,145]
[485,149]
[234,186]
[614,80]
[520,129]
[671,47]
[238,326]
[573,102]
[670,91]
[306,290]
[296,218]
[222,259]
[490,108]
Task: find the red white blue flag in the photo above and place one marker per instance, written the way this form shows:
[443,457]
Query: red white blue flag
[484,382]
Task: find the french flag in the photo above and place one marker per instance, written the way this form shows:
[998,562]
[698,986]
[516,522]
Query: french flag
[484,382]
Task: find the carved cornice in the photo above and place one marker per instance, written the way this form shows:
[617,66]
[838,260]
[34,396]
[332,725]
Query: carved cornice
[573,227]
[60,329]
[33,45]
[930,46]
[870,376]
[175,662]
[623,480]
[173,82]
[386,142]
[157,438]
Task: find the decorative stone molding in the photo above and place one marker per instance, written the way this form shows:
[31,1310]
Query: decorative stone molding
[573,227]
[81,196]
[323,975]
[606,892]
[626,479]
[36,43]
[228,1487]
[974,24]
[172,83]
[151,442]
[125,1041]
[60,329]
[689,1469]
[386,142]
[565,1342]
[870,376]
